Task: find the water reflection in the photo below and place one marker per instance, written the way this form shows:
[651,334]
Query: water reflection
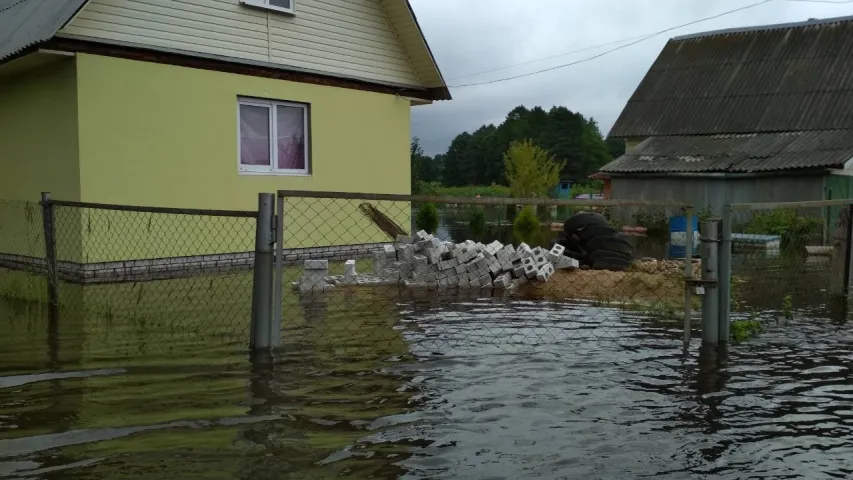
[383,385]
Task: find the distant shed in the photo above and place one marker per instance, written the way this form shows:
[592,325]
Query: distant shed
[758,114]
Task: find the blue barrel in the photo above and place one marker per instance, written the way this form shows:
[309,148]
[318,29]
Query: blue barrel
[678,237]
[679,223]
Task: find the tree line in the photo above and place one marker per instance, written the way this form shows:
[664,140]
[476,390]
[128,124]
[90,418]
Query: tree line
[573,141]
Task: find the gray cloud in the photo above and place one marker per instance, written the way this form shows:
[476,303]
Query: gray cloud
[469,36]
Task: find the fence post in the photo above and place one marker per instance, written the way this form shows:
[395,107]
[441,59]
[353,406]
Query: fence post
[710,301]
[50,249]
[262,280]
[725,274]
[848,254]
[688,275]
[278,283]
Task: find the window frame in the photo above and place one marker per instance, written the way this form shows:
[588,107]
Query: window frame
[272,119]
[265,5]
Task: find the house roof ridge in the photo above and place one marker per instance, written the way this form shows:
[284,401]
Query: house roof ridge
[758,28]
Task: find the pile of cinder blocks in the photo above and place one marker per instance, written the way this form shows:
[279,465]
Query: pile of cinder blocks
[425,261]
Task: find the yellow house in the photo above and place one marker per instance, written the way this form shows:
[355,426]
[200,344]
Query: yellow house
[204,104]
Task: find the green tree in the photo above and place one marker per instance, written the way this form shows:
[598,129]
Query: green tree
[530,170]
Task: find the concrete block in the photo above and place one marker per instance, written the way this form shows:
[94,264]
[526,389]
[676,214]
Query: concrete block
[521,280]
[540,259]
[530,270]
[524,251]
[558,249]
[423,246]
[434,257]
[419,277]
[415,284]
[494,267]
[486,281]
[421,269]
[555,253]
[390,251]
[518,271]
[545,272]
[566,263]
[448,264]
[349,267]
[477,263]
[502,281]
[422,234]
[506,265]
[431,277]
[390,274]
[419,260]
[460,269]
[405,239]
[316,265]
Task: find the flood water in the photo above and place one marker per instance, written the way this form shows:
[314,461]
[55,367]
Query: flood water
[421,388]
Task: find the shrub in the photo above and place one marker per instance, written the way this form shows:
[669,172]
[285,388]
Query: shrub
[477,221]
[427,218]
[525,227]
[530,170]
[792,228]
[656,223]
[472,191]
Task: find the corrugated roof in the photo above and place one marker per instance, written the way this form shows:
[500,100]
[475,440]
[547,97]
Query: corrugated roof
[27,22]
[755,152]
[775,78]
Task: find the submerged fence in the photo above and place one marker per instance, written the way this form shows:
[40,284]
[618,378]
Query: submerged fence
[435,273]
[399,274]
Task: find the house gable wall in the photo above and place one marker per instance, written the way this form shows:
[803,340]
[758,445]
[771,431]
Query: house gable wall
[162,135]
[346,38]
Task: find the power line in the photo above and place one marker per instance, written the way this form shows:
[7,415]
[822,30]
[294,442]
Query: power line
[641,39]
[542,59]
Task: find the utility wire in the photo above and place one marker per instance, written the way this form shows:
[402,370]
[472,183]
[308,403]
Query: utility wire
[542,59]
[641,39]
[621,40]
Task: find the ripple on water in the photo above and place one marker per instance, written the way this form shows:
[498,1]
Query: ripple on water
[480,389]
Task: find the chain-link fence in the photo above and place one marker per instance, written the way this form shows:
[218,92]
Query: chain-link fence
[788,259]
[131,271]
[395,275]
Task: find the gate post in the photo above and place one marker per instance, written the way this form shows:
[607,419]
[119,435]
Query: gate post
[710,301]
[725,274]
[263,274]
[50,249]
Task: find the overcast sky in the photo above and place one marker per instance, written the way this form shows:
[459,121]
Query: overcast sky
[471,36]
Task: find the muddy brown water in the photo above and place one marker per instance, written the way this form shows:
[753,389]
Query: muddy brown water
[425,388]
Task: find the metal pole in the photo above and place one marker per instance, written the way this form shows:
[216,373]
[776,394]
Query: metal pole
[278,274]
[688,275]
[848,253]
[50,249]
[710,301]
[262,281]
[725,274]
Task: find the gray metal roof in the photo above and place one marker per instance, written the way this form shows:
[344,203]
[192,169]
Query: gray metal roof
[754,152]
[28,22]
[777,78]
[757,28]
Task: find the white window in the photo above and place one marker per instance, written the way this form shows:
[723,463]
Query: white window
[273,137]
[285,6]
